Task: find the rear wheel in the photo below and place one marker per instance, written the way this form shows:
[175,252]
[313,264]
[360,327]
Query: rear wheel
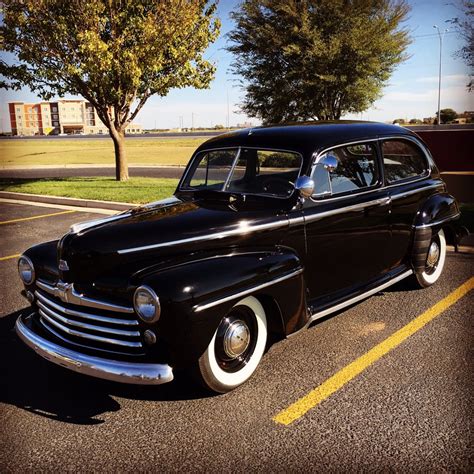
[236,347]
[435,259]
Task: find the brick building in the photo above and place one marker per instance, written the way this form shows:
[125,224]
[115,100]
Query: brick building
[61,117]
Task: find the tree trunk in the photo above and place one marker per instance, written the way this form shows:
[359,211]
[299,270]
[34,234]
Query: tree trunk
[121,164]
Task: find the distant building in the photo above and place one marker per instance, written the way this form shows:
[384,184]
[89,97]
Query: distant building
[245,125]
[61,117]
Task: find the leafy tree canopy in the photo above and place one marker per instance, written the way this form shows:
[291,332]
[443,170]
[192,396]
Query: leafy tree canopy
[114,53]
[447,115]
[315,59]
[464,24]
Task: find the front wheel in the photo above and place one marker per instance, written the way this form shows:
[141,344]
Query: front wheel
[236,347]
[435,259]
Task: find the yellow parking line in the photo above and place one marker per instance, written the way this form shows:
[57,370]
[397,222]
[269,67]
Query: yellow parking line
[35,217]
[345,375]
[9,257]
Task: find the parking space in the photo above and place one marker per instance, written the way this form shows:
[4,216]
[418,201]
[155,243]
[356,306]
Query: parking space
[409,409]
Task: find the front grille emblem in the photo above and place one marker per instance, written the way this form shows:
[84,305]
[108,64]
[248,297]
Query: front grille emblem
[63,290]
[63,266]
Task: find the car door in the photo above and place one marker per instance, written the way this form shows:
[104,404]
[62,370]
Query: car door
[405,166]
[346,221]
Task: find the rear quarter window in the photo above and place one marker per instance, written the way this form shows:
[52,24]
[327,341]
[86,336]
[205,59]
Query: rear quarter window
[403,160]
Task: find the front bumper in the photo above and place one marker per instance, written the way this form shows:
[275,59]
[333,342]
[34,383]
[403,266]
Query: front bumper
[118,371]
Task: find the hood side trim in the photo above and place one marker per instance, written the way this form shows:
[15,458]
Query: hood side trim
[243,229]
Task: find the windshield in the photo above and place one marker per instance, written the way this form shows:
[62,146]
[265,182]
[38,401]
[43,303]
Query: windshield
[244,170]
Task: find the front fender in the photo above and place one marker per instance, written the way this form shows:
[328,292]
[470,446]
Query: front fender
[195,295]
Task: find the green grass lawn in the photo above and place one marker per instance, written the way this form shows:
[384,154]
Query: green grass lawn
[136,190]
[59,151]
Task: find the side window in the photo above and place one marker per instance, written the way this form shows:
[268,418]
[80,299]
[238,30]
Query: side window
[402,160]
[357,169]
[212,169]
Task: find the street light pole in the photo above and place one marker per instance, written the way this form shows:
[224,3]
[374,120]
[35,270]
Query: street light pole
[441,36]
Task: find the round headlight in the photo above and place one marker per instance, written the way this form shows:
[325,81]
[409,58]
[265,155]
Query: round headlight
[147,304]
[26,270]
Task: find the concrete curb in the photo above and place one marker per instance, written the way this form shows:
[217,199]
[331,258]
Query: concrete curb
[86,166]
[115,206]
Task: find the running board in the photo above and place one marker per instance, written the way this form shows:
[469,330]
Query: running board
[355,299]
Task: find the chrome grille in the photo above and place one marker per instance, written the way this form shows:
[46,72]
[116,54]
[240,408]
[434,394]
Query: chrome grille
[88,327]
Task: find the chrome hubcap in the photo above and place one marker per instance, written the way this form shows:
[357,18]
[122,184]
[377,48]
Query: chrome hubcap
[236,338]
[433,254]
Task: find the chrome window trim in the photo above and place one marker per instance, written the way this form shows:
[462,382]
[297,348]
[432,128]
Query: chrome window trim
[317,156]
[84,335]
[248,291]
[91,327]
[76,298]
[185,174]
[217,235]
[428,169]
[80,314]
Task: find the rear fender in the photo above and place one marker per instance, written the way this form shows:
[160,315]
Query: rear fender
[439,211]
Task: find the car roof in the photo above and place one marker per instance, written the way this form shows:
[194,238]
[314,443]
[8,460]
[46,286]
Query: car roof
[304,137]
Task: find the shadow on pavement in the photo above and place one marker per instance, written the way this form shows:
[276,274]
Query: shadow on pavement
[40,387]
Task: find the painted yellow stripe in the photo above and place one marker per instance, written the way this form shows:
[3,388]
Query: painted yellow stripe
[35,217]
[345,375]
[9,257]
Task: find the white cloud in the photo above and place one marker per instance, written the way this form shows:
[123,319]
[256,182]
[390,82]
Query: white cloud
[450,78]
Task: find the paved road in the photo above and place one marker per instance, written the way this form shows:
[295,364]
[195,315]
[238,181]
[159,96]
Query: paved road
[147,171]
[409,411]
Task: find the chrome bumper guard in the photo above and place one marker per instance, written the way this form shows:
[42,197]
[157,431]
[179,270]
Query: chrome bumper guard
[118,371]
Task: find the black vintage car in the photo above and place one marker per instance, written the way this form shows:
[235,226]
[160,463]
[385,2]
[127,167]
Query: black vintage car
[269,229]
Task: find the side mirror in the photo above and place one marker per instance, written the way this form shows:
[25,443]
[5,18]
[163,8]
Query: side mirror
[329,162]
[305,186]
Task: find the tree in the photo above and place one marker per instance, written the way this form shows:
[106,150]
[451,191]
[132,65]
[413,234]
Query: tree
[465,26]
[116,54]
[415,121]
[399,120]
[447,115]
[315,59]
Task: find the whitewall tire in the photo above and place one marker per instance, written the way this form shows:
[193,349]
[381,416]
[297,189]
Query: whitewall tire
[435,260]
[236,347]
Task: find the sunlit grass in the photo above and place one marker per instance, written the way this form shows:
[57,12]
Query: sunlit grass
[100,151]
[135,190]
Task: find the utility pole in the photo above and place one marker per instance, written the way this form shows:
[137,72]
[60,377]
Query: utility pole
[228,113]
[441,36]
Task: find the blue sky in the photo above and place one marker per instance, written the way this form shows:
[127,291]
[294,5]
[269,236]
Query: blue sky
[411,92]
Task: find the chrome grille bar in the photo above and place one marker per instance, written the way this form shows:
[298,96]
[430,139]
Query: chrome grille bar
[84,346]
[81,314]
[84,335]
[91,327]
[80,300]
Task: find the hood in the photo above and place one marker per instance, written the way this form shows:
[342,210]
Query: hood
[163,233]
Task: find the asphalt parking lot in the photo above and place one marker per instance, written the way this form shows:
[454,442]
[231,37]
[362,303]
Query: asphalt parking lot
[409,409]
